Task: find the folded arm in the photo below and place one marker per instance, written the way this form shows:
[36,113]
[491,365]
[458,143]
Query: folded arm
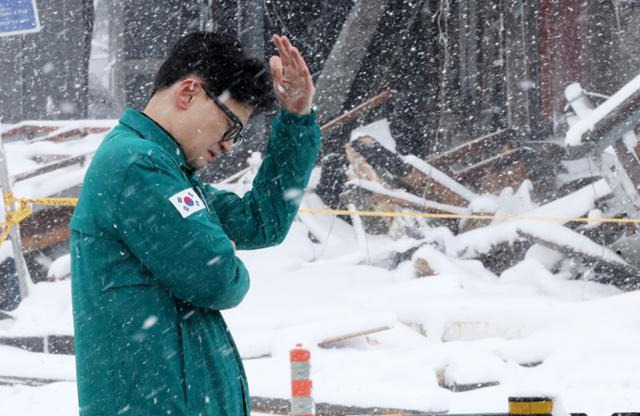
[191,257]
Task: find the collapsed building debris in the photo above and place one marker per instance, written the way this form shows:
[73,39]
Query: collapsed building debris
[474,183]
[594,173]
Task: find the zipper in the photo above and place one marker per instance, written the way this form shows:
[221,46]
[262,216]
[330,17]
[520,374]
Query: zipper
[201,195]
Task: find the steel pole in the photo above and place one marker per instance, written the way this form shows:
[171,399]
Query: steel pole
[14,234]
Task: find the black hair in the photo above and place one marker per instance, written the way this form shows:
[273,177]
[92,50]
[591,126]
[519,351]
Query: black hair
[220,61]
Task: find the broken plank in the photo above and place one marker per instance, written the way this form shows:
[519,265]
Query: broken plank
[510,168]
[27,131]
[45,227]
[474,151]
[627,168]
[327,331]
[405,199]
[610,268]
[27,381]
[624,117]
[279,406]
[331,341]
[70,161]
[375,162]
[356,112]
[610,120]
[75,132]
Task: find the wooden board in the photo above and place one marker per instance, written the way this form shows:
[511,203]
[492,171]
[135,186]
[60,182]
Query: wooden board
[624,117]
[473,152]
[623,276]
[45,227]
[279,406]
[329,342]
[510,168]
[374,162]
[66,162]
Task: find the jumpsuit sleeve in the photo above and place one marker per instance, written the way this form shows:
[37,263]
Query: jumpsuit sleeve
[263,216]
[191,257]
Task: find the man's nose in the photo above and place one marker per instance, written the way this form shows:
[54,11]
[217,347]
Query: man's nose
[226,145]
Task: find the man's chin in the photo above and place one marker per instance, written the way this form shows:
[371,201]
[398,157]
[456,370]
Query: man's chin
[198,164]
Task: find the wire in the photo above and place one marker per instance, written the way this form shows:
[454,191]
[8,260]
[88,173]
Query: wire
[445,216]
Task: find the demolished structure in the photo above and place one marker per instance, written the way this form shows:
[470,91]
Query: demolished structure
[574,201]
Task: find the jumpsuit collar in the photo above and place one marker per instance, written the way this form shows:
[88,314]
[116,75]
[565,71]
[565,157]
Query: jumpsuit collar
[149,129]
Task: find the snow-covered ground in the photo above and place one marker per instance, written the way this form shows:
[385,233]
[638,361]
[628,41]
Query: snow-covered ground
[526,332]
[468,328]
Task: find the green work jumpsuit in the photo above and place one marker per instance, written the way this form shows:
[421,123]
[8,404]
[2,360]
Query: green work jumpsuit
[152,265]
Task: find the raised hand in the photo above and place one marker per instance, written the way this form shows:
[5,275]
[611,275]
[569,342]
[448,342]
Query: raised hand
[292,80]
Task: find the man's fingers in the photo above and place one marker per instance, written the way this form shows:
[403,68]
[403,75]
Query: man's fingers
[293,84]
[299,62]
[289,49]
[308,81]
[283,50]
[276,68]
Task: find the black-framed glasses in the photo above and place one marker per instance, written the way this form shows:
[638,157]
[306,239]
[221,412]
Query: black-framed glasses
[234,133]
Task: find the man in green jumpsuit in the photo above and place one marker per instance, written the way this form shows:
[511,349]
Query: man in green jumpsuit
[153,248]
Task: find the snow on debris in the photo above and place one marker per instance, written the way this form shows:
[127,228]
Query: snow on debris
[379,130]
[575,132]
[463,325]
[431,171]
[382,336]
[400,194]
[482,240]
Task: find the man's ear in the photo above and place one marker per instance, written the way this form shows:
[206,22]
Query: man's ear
[186,91]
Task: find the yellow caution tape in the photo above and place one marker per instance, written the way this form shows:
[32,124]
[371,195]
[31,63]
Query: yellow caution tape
[464,216]
[9,199]
[24,210]
[63,202]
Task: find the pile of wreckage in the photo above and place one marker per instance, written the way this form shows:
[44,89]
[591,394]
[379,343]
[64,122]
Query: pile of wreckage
[517,197]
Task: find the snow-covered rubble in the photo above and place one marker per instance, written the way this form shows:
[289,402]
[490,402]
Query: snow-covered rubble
[380,335]
[591,118]
[527,330]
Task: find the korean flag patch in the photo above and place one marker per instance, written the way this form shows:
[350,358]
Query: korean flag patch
[187,202]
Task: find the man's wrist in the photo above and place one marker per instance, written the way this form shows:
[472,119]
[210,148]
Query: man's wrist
[302,112]
[294,118]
